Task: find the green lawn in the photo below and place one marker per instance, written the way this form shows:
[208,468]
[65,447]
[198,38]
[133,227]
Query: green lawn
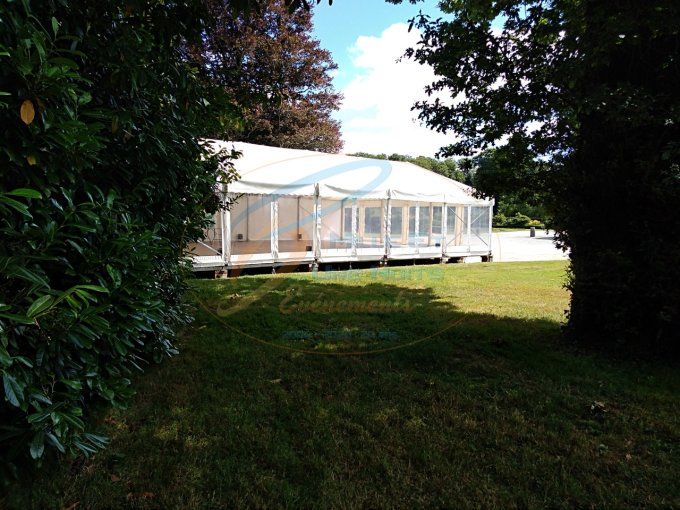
[514,229]
[456,392]
[509,229]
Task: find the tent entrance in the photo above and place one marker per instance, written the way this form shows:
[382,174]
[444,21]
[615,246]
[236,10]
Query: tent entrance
[295,226]
[251,230]
[480,228]
[457,231]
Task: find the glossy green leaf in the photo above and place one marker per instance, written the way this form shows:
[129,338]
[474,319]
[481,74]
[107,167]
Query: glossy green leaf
[55,442]
[40,305]
[38,445]
[13,390]
[25,192]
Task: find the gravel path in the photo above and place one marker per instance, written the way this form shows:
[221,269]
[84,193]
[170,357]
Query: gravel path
[517,246]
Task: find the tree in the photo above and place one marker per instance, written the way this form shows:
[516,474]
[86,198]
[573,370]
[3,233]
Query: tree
[276,74]
[590,89]
[518,190]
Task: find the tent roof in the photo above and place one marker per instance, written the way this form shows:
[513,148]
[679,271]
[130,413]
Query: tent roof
[276,171]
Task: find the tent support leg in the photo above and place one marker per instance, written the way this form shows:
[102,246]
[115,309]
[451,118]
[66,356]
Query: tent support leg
[469,227]
[355,228]
[387,224]
[274,228]
[316,234]
[445,221]
[416,232]
[226,230]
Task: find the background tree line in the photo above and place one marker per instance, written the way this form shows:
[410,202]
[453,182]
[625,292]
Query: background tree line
[446,167]
[519,201]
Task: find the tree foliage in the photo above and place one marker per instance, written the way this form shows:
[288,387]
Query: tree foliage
[518,189]
[276,74]
[590,88]
[446,167]
[103,180]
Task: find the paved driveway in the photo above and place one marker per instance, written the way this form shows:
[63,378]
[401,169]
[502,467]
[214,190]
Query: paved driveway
[516,246]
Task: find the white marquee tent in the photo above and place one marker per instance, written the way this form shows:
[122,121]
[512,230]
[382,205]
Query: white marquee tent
[296,207]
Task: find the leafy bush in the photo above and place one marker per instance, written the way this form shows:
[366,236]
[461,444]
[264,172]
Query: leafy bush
[518,221]
[499,220]
[103,180]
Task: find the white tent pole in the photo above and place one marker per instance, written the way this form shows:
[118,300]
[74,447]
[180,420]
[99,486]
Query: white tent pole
[316,238]
[417,226]
[388,223]
[469,226]
[355,226]
[247,217]
[274,233]
[223,200]
[445,220]
[225,216]
[491,226]
[297,233]
[226,236]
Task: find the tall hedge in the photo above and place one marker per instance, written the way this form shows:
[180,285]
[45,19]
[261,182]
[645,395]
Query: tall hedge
[623,177]
[102,180]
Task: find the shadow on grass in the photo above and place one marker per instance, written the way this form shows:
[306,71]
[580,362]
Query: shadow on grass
[299,391]
[353,316]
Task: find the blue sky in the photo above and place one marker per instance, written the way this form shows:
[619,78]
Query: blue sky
[366,37]
[337,26]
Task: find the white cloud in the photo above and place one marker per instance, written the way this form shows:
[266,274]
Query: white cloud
[376,112]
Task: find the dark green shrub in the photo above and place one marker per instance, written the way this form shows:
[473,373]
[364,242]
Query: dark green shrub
[518,221]
[102,182]
[499,220]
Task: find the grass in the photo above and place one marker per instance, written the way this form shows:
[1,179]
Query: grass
[509,229]
[514,229]
[459,394]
